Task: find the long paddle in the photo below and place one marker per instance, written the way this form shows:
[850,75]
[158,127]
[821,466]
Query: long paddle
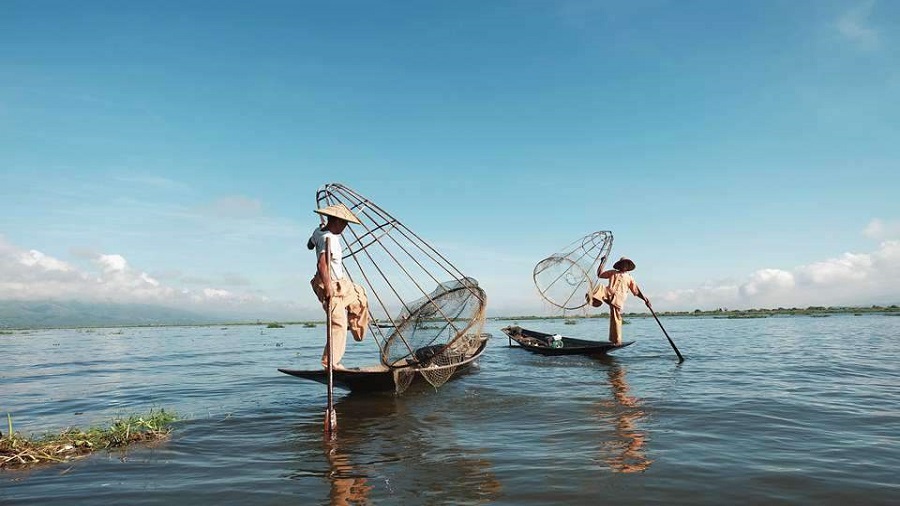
[680,358]
[330,414]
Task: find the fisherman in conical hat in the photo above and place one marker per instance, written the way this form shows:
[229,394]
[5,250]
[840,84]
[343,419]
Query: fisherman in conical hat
[620,282]
[347,301]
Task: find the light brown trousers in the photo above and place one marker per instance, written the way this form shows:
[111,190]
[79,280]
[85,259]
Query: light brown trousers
[349,307]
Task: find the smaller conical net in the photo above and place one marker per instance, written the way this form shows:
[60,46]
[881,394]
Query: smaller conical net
[565,278]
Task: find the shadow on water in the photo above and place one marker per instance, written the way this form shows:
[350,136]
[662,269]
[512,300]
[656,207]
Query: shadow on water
[626,451]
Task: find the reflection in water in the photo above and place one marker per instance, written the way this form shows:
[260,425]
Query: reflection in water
[625,453]
[348,486]
[357,418]
[378,434]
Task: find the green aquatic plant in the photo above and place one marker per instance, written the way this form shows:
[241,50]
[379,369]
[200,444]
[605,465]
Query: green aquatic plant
[274,325]
[309,325]
[20,451]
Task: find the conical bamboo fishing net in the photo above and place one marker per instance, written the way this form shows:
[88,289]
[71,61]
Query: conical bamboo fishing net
[427,316]
[564,278]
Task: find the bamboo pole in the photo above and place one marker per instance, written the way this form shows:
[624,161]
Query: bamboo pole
[330,415]
[680,357]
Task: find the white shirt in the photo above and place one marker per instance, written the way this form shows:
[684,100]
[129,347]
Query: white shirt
[319,238]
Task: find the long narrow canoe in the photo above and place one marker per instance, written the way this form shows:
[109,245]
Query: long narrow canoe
[539,342]
[378,378]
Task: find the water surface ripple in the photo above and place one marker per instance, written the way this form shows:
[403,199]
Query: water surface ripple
[774,410]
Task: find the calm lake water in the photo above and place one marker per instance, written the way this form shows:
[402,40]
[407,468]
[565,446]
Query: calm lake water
[775,410]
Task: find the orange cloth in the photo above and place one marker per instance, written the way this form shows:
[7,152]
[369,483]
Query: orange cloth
[349,307]
[614,295]
[616,292]
[615,325]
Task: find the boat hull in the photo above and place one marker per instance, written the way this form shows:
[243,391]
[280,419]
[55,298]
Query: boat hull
[539,342]
[377,378]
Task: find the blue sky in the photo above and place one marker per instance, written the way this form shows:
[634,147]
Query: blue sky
[743,154]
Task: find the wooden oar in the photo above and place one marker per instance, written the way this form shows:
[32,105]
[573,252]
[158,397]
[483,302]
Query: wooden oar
[680,358]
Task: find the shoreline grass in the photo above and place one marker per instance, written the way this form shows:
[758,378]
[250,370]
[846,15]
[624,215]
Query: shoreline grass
[18,451]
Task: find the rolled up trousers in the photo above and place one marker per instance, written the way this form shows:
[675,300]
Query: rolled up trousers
[349,308]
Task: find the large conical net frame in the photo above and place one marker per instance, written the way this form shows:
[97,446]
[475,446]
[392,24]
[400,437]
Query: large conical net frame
[427,316]
[564,278]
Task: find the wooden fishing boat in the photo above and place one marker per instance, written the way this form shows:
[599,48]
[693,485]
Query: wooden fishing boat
[540,342]
[381,378]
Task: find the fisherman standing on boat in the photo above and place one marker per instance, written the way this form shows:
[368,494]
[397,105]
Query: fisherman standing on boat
[346,300]
[615,294]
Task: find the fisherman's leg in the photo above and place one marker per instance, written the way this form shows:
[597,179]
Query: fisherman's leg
[338,329]
[615,325]
[598,296]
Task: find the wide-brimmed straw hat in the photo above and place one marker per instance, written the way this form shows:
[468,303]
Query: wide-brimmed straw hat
[624,264]
[339,211]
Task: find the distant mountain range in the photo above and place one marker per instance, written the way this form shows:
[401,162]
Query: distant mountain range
[48,314]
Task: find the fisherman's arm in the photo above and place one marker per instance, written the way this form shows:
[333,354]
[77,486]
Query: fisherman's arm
[324,273]
[600,267]
[636,290]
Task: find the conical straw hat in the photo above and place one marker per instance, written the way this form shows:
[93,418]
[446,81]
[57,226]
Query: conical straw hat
[624,264]
[339,211]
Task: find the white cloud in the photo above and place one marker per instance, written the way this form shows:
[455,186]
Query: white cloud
[214,293]
[33,275]
[35,258]
[848,268]
[767,281]
[147,279]
[881,230]
[849,279]
[853,25]
[112,263]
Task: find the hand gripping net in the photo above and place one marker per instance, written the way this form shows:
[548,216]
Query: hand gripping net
[427,317]
[566,277]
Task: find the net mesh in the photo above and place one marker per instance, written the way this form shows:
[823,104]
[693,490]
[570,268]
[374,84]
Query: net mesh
[565,277]
[424,311]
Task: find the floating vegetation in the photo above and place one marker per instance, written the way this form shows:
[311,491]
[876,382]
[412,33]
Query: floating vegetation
[309,325]
[626,322]
[274,326]
[742,316]
[6,332]
[17,451]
